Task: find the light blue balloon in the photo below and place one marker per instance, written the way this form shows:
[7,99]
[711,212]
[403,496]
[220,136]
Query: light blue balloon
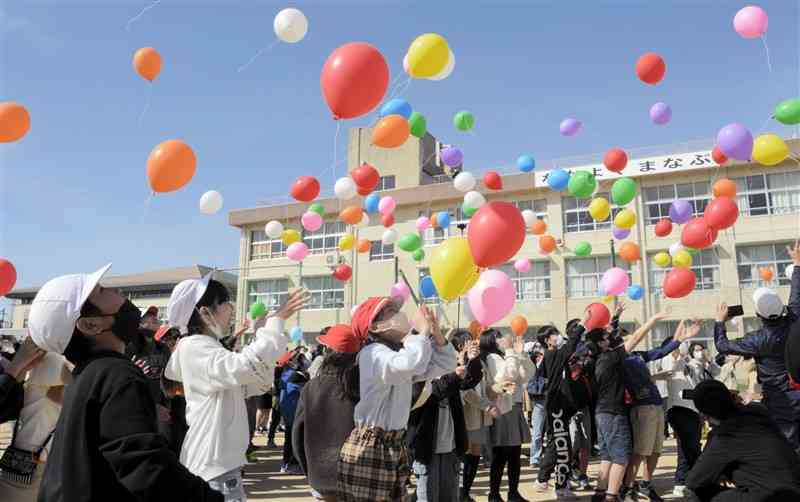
[371,203]
[635,292]
[558,180]
[426,287]
[396,106]
[443,219]
[296,334]
[526,164]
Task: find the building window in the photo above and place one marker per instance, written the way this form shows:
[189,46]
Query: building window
[326,238]
[386,183]
[666,329]
[380,251]
[577,217]
[147,293]
[705,266]
[776,193]
[538,206]
[752,258]
[264,248]
[584,275]
[271,292]
[533,285]
[433,236]
[326,292]
[657,200]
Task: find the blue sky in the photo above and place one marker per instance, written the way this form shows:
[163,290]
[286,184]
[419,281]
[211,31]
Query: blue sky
[73,192]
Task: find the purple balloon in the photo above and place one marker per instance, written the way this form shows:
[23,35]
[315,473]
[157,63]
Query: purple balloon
[735,141]
[680,211]
[570,127]
[621,233]
[660,113]
[452,156]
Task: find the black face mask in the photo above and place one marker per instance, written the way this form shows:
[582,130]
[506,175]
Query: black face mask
[126,322]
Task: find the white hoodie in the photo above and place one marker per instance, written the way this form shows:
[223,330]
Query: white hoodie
[214,381]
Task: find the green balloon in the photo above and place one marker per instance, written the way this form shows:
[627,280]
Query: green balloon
[464,121]
[692,251]
[468,211]
[418,255]
[788,112]
[582,184]
[409,242]
[257,310]
[317,208]
[418,124]
[623,191]
[583,249]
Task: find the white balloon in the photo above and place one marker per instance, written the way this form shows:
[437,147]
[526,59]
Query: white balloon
[274,229]
[364,220]
[345,189]
[405,63]
[789,271]
[210,202]
[464,181]
[390,236]
[475,200]
[290,25]
[448,69]
[529,217]
[673,249]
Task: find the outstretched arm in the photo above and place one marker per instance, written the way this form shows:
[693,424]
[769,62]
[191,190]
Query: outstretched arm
[749,345]
[640,333]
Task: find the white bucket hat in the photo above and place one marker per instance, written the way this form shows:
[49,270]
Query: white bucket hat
[767,302]
[184,299]
[57,307]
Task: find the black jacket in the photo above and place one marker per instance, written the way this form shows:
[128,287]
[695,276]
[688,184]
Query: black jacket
[423,422]
[749,450]
[553,364]
[106,445]
[12,397]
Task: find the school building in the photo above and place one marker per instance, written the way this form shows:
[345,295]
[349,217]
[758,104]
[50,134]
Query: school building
[560,285]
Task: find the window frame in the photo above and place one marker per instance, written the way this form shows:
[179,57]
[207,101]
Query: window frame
[582,210]
[698,200]
[383,255]
[656,273]
[521,279]
[745,194]
[279,295]
[329,239]
[598,274]
[778,265]
[337,291]
[271,243]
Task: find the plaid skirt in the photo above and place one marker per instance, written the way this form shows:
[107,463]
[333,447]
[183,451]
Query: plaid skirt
[373,467]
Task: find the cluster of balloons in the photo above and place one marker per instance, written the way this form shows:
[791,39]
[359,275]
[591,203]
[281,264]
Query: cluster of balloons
[8,276]
[429,57]
[735,141]
[397,122]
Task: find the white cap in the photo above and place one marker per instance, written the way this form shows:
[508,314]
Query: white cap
[767,302]
[57,307]
[184,299]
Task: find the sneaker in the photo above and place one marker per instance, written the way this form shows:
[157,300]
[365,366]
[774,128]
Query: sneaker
[631,495]
[516,498]
[679,491]
[271,444]
[284,468]
[291,469]
[598,497]
[583,483]
[653,495]
[565,494]
[540,487]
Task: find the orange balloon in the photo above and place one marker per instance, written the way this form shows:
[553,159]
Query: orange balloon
[351,215]
[475,329]
[147,63]
[630,252]
[724,188]
[14,122]
[766,274]
[519,325]
[363,245]
[170,166]
[391,131]
[539,227]
[547,244]
[433,220]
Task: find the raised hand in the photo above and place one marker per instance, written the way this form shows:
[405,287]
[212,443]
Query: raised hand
[722,312]
[473,350]
[28,356]
[296,302]
[794,252]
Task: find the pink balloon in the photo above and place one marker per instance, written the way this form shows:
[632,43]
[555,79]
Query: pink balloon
[400,290]
[311,221]
[615,281]
[492,297]
[423,223]
[522,266]
[751,22]
[387,205]
[405,63]
[297,251]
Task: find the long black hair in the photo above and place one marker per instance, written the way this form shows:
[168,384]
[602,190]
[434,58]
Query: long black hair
[345,368]
[216,294]
[489,345]
[459,339]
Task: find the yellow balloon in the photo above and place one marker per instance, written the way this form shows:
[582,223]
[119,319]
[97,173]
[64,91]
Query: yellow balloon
[428,55]
[608,298]
[682,259]
[662,259]
[290,236]
[347,242]
[452,268]
[770,149]
[599,209]
[625,219]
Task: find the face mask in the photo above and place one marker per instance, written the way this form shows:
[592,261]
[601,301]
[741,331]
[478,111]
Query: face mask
[211,323]
[699,356]
[398,323]
[126,322]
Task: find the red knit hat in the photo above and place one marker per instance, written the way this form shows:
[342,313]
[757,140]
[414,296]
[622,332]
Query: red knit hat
[366,313]
[284,358]
[340,338]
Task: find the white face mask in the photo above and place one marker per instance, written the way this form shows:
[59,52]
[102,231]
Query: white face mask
[211,323]
[398,323]
[699,355]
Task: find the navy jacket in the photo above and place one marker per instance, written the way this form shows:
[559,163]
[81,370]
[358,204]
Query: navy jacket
[637,377]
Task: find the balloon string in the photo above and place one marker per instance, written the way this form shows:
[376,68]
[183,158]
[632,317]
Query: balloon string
[146,103]
[140,14]
[335,147]
[260,52]
[766,49]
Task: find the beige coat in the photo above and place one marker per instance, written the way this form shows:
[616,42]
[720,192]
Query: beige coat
[477,402]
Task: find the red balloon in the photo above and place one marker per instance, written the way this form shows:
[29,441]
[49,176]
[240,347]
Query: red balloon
[354,80]
[305,188]
[697,234]
[492,180]
[366,177]
[599,318]
[679,282]
[615,160]
[721,213]
[718,156]
[387,220]
[495,233]
[8,276]
[363,191]
[343,273]
[663,227]
[650,68]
